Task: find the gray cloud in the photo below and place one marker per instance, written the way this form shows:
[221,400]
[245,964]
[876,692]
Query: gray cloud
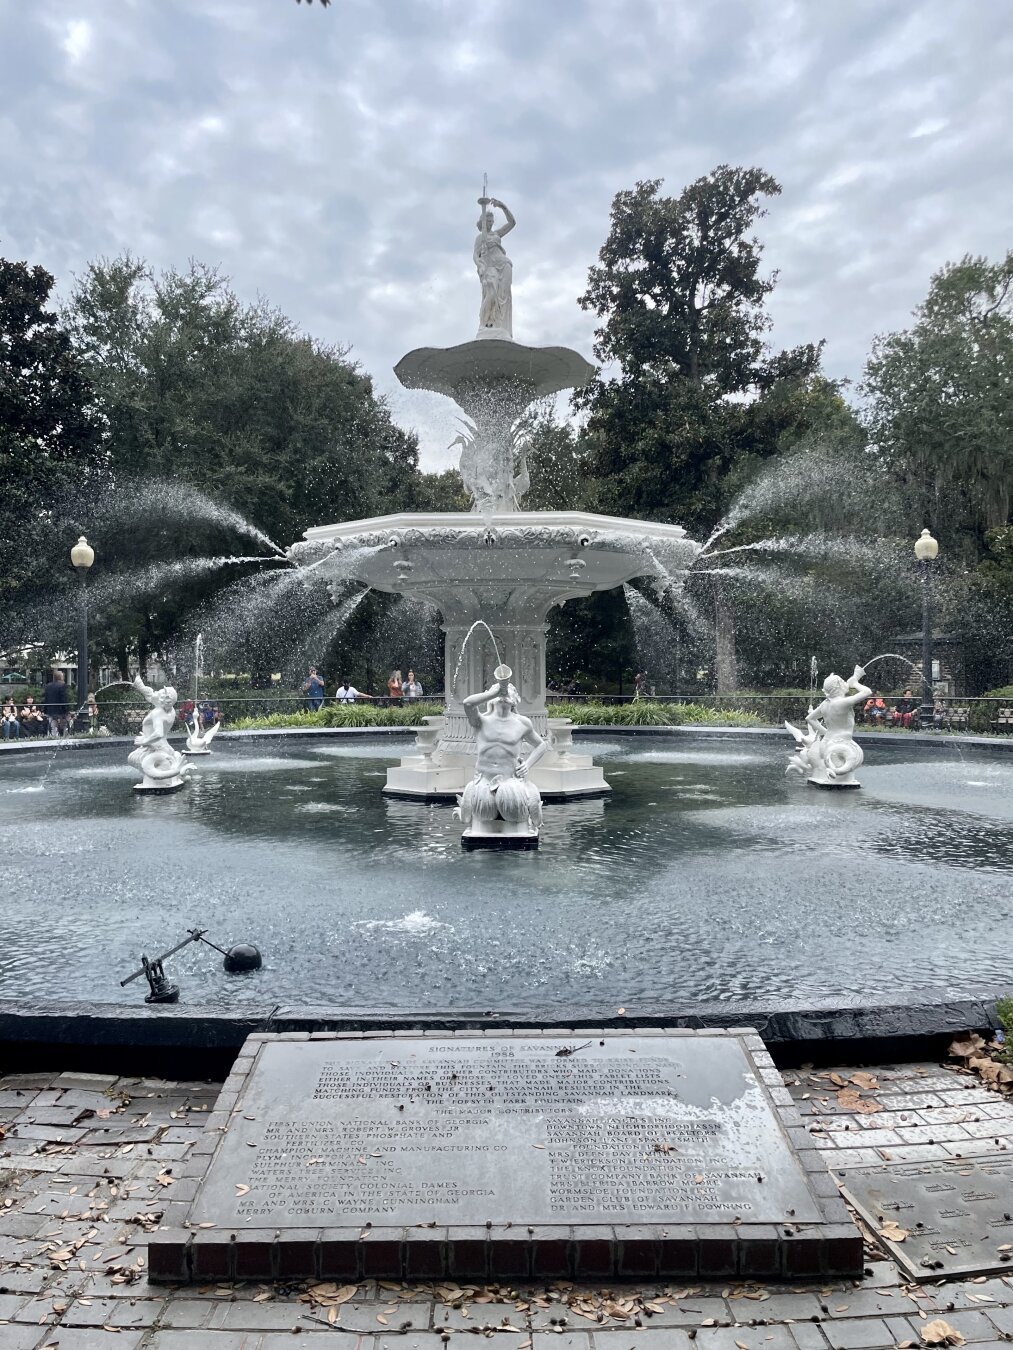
[330,159]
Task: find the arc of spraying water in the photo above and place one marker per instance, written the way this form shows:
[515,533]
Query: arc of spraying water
[896,656]
[479,623]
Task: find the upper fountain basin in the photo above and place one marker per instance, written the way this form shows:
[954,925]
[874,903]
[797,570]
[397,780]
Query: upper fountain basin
[545,370]
[558,553]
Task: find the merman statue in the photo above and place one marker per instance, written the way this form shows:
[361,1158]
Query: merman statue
[499,807]
[162,768]
[826,753]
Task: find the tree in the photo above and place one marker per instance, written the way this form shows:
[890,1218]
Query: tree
[940,408]
[697,392]
[231,398]
[979,605]
[221,422]
[49,435]
[681,300]
[441,492]
[222,425]
[555,456]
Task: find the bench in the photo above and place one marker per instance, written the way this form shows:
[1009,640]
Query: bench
[954,718]
[1003,721]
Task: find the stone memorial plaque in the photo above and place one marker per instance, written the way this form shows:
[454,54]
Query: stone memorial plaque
[958,1214]
[494,1145]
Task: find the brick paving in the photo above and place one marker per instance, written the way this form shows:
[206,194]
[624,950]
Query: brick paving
[87,1162]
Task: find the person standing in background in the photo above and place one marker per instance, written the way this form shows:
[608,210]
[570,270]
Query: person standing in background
[313,688]
[347,692]
[55,704]
[411,690]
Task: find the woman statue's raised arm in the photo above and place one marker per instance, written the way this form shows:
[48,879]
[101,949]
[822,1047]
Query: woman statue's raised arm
[510,222]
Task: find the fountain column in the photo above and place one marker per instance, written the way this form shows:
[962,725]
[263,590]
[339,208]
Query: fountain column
[521,647]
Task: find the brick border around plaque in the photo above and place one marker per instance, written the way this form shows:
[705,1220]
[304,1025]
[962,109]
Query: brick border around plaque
[180,1251]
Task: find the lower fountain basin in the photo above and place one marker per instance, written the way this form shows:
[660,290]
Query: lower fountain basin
[706,880]
[506,572]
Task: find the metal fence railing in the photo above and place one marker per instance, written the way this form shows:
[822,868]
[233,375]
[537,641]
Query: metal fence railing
[978,715]
[122,714]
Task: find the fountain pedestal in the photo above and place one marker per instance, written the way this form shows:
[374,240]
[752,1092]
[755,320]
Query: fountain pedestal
[508,571]
[498,834]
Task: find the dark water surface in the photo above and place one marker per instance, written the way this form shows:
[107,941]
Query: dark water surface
[707,876]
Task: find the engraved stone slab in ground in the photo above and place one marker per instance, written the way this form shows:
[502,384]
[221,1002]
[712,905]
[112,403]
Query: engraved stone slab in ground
[635,1130]
[958,1214]
[422,1155]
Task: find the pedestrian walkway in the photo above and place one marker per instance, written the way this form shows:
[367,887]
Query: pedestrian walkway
[87,1161]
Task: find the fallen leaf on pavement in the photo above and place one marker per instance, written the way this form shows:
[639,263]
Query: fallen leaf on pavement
[967,1045]
[865,1080]
[849,1100]
[940,1332]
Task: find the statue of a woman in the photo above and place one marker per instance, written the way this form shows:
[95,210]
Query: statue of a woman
[495,272]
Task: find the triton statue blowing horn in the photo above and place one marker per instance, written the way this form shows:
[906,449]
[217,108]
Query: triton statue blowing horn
[501,807]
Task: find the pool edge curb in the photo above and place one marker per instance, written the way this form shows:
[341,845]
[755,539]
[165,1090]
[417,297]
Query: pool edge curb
[154,1039]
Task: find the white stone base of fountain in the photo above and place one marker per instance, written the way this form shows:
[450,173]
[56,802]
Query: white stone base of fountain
[832,784]
[441,775]
[198,750]
[494,578]
[499,834]
[160,788]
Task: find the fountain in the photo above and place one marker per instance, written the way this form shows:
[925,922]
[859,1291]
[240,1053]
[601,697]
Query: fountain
[162,768]
[499,564]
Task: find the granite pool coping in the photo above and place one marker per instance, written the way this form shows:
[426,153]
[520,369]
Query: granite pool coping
[892,740]
[165,1038]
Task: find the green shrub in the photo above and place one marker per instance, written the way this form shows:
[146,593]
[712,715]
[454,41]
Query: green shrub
[341,715]
[1004,1012]
[640,714]
[648,713]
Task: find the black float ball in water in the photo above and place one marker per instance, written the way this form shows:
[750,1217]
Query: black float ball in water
[244,956]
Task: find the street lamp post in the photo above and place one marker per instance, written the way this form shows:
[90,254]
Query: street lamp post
[82,555]
[926,549]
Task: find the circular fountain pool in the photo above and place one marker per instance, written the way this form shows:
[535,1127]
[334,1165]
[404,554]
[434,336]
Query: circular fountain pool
[707,877]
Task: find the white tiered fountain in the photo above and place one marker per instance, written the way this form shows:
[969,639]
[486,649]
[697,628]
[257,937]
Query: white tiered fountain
[497,566]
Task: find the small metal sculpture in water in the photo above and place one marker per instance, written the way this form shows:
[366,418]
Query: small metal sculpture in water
[499,807]
[162,768]
[199,742]
[826,753]
[244,956]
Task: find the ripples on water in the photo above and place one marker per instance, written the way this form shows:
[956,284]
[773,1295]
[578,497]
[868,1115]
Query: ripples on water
[707,877]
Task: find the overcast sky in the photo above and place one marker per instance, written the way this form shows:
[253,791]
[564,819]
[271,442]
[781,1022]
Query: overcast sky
[329,159]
